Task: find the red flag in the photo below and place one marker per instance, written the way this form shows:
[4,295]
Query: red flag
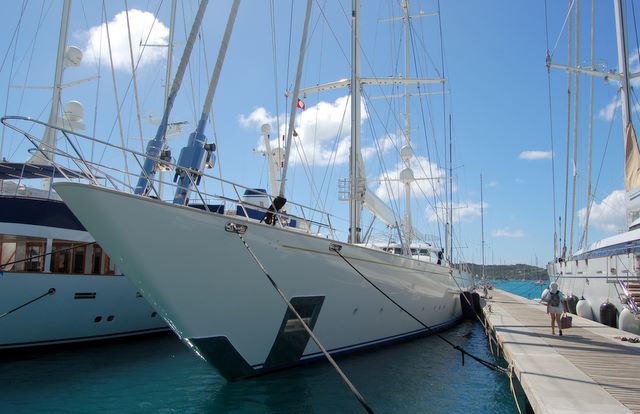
[301,104]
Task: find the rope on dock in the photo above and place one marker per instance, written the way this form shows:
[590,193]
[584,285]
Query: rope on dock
[513,390]
[239,229]
[51,291]
[463,352]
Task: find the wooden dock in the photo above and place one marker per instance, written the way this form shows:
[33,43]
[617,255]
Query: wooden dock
[587,370]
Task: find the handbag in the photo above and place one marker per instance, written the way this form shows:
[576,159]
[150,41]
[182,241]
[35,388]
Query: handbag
[565,321]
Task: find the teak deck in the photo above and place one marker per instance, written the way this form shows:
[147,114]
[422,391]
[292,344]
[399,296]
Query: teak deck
[587,370]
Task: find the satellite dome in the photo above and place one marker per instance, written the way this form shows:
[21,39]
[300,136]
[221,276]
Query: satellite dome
[73,111]
[72,56]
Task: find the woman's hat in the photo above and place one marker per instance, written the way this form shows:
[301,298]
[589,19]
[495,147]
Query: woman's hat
[554,287]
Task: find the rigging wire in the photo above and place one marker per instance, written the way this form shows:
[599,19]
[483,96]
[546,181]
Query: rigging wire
[551,138]
[16,37]
[193,101]
[133,74]
[613,118]
[15,34]
[99,70]
[576,111]
[115,91]
[232,227]
[274,58]
[591,97]
[566,178]
[51,291]
[635,28]
[566,19]
[463,352]
[9,83]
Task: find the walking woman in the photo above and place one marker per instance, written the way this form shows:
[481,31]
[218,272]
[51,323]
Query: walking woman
[554,306]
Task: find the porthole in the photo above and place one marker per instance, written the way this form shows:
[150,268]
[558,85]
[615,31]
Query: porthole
[154,314]
[110,318]
[97,319]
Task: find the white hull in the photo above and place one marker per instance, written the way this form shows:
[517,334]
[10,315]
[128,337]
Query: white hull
[598,273]
[84,307]
[204,282]
[64,317]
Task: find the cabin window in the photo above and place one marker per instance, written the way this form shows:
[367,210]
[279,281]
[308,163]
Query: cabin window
[96,263]
[61,257]
[109,268]
[21,253]
[34,256]
[79,254]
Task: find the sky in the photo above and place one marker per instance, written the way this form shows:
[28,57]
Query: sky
[505,113]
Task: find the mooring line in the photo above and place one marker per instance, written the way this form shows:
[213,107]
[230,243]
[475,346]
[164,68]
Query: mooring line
[238,229]
[51,291]
[336,248]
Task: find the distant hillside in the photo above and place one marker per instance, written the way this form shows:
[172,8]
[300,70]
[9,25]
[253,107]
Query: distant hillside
[517,271]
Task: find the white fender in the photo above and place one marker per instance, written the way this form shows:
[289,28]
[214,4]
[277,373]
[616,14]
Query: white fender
[627,321]
[583,309]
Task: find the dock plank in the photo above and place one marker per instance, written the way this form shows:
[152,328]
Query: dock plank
[587,370]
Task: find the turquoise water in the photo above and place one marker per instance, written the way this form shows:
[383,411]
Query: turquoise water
[523,288]
[160,375]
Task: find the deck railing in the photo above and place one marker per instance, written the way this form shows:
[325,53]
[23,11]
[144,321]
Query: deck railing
[108,166]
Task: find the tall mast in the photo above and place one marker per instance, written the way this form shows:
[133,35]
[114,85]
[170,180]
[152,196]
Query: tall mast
[623,64]
[632,155]
[355,199]
[167,82]
[49,138]
[294,100]
[172,25]
[154,147]
[406,153]
[192,156]
[482,224]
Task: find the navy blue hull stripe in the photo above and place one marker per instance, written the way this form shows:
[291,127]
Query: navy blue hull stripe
[38,212]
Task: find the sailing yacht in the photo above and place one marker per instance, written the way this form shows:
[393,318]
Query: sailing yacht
[228,273]
[57,285]
[603,280]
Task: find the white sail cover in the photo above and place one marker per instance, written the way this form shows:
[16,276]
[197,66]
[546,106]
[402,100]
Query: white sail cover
[379,208]
[632,160]
[632,177]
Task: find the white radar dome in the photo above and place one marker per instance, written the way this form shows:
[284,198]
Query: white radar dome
[73,111]
[72,56]
[406,175]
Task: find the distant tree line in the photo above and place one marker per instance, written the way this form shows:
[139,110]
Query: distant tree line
[516,271]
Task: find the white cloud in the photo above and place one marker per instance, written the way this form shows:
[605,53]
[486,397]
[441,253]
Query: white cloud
[429,178]
[145,29]
[609,215]
[258,117]
[461,211]
[323,133]
[507,232]
[608,111]
[535,155]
